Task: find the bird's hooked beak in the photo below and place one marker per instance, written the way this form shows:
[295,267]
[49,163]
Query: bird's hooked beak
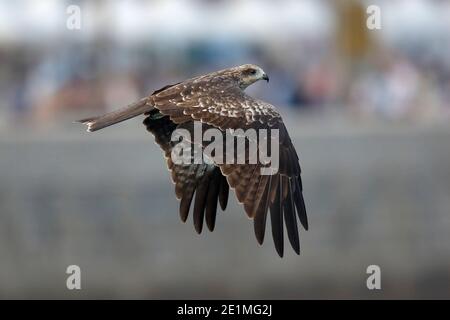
[265,77]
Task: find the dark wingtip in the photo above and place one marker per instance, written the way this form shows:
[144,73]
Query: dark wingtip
[280,251]
[210,227]
[259,225]
[279,244]
[185,204]
[301,208]
[198,228]
[304,218]
[259,238]
[223,194]
[223,206]
[296,247]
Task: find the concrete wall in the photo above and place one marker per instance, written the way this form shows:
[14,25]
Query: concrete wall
[376,194]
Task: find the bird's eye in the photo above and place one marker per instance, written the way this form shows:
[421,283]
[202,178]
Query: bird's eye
[253,71]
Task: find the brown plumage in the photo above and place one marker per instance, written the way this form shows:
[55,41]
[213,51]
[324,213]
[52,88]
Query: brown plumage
[218,100]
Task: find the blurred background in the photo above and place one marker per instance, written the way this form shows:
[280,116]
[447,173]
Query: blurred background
[368,111]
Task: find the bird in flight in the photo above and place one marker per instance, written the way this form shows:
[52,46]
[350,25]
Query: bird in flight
[217,100]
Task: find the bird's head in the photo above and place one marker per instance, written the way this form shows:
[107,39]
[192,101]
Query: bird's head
[248,74]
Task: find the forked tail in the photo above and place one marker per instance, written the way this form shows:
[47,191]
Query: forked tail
[108,119]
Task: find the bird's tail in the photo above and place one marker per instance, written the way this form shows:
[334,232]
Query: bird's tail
[108,119]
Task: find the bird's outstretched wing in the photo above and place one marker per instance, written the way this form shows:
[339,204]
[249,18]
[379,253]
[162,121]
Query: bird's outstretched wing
[219,103]
[205,180]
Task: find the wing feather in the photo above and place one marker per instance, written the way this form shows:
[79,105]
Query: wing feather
[290,218]
[261,214]
[213,198]
[276,217]
[201,194]
[223,193]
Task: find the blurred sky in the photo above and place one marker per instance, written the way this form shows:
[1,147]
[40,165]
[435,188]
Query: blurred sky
[319,53]
[29,20]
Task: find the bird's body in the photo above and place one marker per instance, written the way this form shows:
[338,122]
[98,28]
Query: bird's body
[218,100]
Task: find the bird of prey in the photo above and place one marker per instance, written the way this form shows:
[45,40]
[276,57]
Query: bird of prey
[218,100]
